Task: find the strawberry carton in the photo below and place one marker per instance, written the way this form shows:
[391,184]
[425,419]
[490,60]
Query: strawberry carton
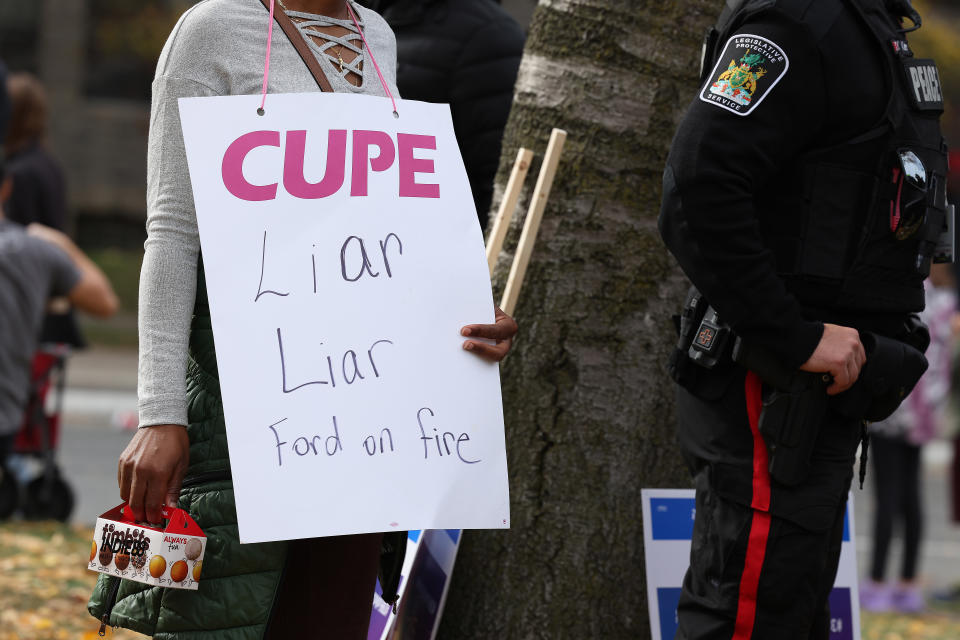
[169,557]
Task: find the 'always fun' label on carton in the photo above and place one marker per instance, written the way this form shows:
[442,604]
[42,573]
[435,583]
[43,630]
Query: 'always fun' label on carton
[171,557]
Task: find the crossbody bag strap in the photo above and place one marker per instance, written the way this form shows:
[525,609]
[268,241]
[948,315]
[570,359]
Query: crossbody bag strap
[300,44]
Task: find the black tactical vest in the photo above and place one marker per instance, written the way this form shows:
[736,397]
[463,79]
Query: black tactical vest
[856,224]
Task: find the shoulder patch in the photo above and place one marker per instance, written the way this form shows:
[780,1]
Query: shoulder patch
[747,70]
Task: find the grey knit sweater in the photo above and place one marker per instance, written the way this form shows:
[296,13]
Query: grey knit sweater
[217,48]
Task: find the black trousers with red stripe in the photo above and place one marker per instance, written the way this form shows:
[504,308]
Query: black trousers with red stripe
[764,556]
[794,576]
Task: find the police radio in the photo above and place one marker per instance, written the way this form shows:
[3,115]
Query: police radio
[711,340]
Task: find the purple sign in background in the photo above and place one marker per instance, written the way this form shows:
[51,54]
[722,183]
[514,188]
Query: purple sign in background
[432,553]
[378,618]
[841,614]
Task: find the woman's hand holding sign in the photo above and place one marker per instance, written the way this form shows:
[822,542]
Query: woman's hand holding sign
[502,331]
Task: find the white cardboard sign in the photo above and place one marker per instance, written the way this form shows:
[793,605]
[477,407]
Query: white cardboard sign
[342,255]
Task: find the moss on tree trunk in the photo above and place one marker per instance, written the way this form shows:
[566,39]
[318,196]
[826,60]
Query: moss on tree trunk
[588,404]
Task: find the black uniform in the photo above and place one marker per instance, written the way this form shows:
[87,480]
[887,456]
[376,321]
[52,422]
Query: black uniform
[792,198]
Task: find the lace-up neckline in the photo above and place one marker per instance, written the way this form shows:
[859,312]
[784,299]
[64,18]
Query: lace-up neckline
[331,48]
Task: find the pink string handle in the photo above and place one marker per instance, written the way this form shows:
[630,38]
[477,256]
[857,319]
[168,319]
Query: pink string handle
[266,63]
[374,61]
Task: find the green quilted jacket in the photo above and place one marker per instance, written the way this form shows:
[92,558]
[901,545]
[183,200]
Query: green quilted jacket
[235,595]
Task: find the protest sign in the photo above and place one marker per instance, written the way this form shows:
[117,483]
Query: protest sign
[424,582]
[667,531]
[342,255]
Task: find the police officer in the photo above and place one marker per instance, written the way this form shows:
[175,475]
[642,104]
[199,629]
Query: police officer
[803,196]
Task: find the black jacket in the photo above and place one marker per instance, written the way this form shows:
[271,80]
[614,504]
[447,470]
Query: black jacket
[465,53]
[724,165]
[796,87]
[39,188]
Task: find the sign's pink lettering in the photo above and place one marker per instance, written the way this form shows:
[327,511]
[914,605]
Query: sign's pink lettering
[362,141]
[232,168]
[409,165]
[293,180]
[370,151]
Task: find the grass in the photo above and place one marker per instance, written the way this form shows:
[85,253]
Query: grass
[939,623]
[44,587]
[45,584]
[122,268]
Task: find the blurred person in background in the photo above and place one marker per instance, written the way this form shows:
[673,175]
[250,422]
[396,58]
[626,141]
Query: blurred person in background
[37,263]
[38,192]
[953,195]
[952,433]
[4,106]
[39,188]
[465,53]
[896,445]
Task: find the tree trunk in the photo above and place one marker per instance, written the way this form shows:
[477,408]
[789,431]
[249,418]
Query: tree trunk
[588,403]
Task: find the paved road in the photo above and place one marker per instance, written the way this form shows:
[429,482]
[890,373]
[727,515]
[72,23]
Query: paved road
[88,458]
[102,394]
[100,397]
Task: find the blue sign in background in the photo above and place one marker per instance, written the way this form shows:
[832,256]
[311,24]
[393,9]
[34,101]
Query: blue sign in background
[672,518]
[667,601]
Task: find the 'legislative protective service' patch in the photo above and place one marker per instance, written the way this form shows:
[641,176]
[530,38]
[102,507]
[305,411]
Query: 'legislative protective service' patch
[747,70]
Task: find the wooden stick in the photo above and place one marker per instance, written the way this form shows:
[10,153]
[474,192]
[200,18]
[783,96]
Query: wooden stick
[507,206]
[531,225]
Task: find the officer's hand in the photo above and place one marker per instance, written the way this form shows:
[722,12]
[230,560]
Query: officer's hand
[502,331]
[839,353]
[151,469]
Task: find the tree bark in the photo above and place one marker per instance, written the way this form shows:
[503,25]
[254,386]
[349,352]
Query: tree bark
[588,403]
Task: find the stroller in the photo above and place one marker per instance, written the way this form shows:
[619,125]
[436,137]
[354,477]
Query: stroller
[46,495]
